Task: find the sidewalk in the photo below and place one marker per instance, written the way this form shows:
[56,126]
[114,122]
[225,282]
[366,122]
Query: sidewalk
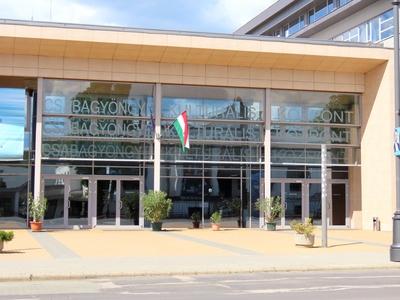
[99,253]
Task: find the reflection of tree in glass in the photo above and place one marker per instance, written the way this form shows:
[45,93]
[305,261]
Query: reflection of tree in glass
[339,110]
[130,206]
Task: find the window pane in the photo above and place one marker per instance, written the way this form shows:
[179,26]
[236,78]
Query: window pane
[213,102]
[12,124]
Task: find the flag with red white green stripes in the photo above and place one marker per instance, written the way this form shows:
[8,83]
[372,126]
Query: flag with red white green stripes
[182,128]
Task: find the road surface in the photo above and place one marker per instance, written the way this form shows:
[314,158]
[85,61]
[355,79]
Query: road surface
[368,284]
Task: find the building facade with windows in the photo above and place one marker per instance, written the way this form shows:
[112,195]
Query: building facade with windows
[367,21]
[86,115]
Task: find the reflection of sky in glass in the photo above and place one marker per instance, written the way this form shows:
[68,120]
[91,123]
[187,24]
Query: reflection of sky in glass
[293,113]
[314,113]
[12,106]
[211,108]
[12,123]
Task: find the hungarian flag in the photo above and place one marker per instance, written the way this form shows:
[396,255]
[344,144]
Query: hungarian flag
[182,128]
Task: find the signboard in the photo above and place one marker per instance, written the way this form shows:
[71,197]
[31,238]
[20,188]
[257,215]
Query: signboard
[397,141]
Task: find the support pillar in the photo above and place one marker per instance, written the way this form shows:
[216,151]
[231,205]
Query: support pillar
[157,138]
[38,141]
[267,150]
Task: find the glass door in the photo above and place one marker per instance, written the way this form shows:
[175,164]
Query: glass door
[106,208]
[339,204]
[54,192]
[129,205]
[293,202]
[78,201]
[117,201]
[276,191]
[314,202]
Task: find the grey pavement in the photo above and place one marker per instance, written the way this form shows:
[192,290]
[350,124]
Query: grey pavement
[338,285]
[180,265]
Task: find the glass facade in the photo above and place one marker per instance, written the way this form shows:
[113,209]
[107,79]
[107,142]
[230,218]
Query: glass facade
[98,151]
[310,15]
[83,119]
[226,127]
[302,121]
[375,30]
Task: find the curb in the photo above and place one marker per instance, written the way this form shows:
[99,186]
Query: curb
[39,277]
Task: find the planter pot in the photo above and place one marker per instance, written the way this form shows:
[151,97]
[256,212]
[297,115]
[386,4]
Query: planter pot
[36,226]
[271,226]
[196,225]
[1,245]
[304,240]
[215,227]
[156,226]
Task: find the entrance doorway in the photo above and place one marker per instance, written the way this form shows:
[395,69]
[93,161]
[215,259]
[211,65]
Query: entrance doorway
[302,199]
[93,201]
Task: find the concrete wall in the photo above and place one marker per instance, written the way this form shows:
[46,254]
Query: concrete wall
[377,158]
[354,20]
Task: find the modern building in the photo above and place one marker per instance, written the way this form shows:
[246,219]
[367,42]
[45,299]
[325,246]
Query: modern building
[367,21]
[85,115]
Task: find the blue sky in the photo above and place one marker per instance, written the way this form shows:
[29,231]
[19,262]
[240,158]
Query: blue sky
[222,16]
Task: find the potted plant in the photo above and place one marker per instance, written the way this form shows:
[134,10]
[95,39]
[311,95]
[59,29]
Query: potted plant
[196,217]
[271,208]
[37,209]
[5,236]
[304,232]
[216,220]
[156,207]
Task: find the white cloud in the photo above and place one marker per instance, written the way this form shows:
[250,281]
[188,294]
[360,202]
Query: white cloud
[231,14]
[68,11]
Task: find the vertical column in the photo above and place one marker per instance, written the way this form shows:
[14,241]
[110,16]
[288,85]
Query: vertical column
[157,138]
[324,196]
[267,148]
[38,141]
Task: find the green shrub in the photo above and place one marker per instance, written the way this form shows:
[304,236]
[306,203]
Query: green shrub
[216,217]
[270,207]
[305,228]
[6,236]
[196,216]
[37,208]
[156,206]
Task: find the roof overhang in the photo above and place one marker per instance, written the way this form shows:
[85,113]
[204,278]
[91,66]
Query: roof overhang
[99,42]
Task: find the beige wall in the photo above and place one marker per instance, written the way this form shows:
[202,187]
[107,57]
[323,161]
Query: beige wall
[354,20]
[355,203]
[200,74]
[377,158]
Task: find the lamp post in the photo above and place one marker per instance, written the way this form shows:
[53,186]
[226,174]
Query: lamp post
[395,247]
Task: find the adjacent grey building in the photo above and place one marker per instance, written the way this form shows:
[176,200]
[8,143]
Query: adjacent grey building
[368,21]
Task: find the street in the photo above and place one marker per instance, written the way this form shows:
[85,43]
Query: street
[368,284]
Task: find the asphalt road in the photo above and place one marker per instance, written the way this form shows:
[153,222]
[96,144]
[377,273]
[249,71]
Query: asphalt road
[369,284]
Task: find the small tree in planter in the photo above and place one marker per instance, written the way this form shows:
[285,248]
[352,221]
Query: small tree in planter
[5,236]
[37,209]
[216,220]
[271,208]
[196,217]
[304,232]
[156,208]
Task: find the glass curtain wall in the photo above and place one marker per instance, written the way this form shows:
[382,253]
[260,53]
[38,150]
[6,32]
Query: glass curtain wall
[226,135]
[15,154]
[302,121]
[97,120]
